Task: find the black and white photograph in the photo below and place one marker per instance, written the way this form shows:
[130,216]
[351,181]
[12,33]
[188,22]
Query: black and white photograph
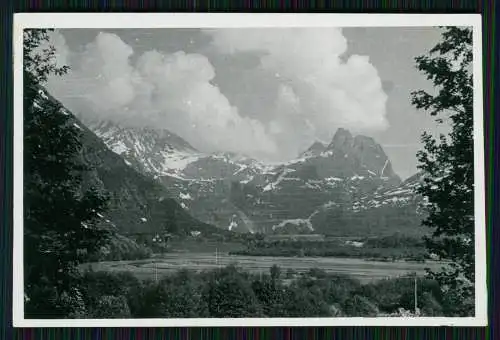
[204,169]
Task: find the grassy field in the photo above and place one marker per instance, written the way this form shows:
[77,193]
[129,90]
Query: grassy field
[365,271]
[204,246]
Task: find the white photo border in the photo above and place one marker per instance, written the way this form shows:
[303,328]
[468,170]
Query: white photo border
[235,20]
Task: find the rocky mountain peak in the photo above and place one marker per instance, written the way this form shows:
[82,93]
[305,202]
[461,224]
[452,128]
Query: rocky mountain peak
[147,149]
[349,155]
[155,137]
[342,139]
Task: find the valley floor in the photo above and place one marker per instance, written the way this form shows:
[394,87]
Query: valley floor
[363,270]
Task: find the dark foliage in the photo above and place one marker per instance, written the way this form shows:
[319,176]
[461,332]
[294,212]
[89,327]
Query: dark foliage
[60,218]
[121,248]
[231,292]
[448,164]
[178,296]
[395,247]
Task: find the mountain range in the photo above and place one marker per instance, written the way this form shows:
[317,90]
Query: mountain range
[157,182]
[346,187]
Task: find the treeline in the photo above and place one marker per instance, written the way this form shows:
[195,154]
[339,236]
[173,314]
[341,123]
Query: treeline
[230,292]
[121,248]
[395,247]
[396,240]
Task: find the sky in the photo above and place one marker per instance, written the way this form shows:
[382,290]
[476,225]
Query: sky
[268,93]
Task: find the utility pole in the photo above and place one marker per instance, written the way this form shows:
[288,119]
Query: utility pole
[156,271]
[416,303]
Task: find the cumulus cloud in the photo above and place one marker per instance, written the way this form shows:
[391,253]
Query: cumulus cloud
[315,89]
[326,91]
[171,91]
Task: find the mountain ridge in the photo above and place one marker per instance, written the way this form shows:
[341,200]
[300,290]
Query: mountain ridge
[137,203]
[238,193]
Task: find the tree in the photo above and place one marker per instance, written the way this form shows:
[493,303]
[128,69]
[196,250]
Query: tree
[110,306]
[60,218]
[271,294]
[303,298]
[447,164]
[177,296]
[229,294]
[360,306]
[430,305]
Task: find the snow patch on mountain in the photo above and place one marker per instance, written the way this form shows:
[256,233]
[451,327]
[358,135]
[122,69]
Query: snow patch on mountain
[383,168]
[399,192]
[248,180]
[119,147]
[184,196]
[274,185]
[297,222]
[334,179]
[357,177]
[178,160]
[242,167]
[232,225]
[313,186]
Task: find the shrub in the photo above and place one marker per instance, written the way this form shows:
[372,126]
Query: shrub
[360,306]
[305,301]
[229,294]
[110,306]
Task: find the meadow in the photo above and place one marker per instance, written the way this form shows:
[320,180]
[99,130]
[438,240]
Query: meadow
[362,270]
